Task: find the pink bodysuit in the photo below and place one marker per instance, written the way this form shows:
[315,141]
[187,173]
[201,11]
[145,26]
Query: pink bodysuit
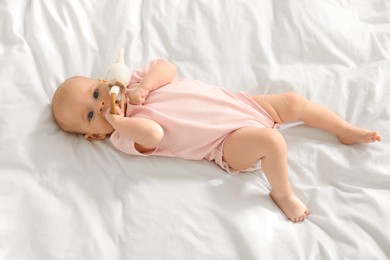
[196,118]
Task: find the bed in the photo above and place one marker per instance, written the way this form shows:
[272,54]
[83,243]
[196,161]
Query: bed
[62,197]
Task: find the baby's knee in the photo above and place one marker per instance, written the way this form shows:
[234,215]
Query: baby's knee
[274,141]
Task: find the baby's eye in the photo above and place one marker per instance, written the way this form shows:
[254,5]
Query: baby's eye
[96,94]
[90,115]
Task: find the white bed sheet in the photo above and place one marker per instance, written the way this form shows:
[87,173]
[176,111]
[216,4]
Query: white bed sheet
[62,197]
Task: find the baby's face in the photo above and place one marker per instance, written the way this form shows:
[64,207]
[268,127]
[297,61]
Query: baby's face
[85,102]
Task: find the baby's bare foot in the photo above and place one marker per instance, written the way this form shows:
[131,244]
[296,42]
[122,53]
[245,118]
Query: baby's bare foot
[358,135]
[291,206]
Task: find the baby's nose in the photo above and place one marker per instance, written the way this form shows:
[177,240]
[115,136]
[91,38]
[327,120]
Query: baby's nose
[101,106]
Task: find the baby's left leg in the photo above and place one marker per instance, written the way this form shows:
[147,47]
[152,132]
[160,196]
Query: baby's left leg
[248,145]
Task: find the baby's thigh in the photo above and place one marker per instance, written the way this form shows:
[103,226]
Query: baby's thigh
[248,145]
[281,107]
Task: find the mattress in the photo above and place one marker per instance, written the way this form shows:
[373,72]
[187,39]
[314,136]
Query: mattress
[62,197]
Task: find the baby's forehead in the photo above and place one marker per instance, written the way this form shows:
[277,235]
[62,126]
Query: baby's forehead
[78,82]
[76,86]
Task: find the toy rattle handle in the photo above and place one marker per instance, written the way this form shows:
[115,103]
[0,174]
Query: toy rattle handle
[112,105]
[114,92]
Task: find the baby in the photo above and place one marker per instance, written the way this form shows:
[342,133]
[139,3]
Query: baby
[192,120]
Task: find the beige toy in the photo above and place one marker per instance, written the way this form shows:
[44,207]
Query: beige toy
[118,78]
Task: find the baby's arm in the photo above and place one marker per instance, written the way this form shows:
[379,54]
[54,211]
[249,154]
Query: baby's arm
[146,133]
[160,73]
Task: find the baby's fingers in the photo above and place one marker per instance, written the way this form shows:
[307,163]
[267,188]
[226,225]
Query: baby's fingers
[138,100]
[111,118]
[134,98]
[119,110]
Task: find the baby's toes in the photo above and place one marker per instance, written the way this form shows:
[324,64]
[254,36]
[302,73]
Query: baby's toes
[299,218]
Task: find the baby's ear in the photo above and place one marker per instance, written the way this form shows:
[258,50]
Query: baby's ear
[94,137]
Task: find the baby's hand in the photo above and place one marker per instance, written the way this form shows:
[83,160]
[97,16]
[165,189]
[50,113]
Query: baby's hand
[114,118]
[137,96]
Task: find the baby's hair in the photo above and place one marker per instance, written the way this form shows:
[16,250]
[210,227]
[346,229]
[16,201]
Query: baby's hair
[60,102]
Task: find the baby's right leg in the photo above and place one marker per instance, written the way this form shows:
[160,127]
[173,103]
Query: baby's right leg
[292,107]
[248,145]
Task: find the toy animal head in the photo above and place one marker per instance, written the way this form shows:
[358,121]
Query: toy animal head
[118,73]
